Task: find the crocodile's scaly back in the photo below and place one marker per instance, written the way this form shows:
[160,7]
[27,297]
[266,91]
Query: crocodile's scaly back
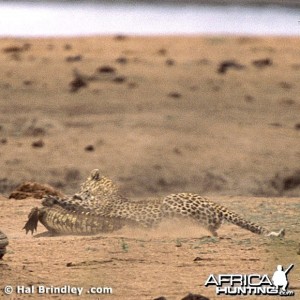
[3,244]
[59,220]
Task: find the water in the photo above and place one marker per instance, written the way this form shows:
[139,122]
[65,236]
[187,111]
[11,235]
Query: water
[69,19]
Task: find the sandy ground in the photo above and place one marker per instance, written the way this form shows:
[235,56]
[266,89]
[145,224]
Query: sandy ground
[217,116]
[170,261]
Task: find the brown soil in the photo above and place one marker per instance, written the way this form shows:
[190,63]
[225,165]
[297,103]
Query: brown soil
[217,116]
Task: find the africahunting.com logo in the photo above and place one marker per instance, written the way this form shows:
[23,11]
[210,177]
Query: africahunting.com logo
[252,284]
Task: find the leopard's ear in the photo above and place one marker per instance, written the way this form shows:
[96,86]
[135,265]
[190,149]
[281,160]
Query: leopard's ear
[95,175]
[99,186]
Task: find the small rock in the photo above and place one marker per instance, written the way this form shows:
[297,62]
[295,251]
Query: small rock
[69,264]
[249,98]
[170,62]
[89,148]
[177,151]
[122,60]
[157,167]
[68,47]
[106,69]
[132,85]
[120,37]
[74,58]
[27,82]
[276,124]
[174,95]
[17,49]
[197,258]
[261,63]
[229,64]
[297,126]
[12,49]
[77,84]
[38,144]
[162,51]
[119,79]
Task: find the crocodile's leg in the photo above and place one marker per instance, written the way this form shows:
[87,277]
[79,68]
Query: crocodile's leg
[33,218]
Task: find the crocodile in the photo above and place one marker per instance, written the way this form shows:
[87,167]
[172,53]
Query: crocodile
[3,244]
[100,207]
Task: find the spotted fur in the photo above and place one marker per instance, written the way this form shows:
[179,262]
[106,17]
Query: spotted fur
[100,207]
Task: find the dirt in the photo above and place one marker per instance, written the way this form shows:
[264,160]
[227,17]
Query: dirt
[157,116]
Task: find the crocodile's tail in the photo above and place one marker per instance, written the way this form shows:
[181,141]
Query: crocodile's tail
[33,218]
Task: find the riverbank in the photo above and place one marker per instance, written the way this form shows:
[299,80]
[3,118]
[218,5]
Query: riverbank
[158,114]
[23,19]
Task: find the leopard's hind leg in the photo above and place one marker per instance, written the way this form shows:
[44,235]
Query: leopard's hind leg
[193,207]
[209,214]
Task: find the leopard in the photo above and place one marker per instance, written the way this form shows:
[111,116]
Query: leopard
[100,206]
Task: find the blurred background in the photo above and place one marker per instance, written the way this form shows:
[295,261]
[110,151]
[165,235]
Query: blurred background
[161,96]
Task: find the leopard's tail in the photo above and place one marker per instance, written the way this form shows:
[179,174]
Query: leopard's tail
[235,219]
